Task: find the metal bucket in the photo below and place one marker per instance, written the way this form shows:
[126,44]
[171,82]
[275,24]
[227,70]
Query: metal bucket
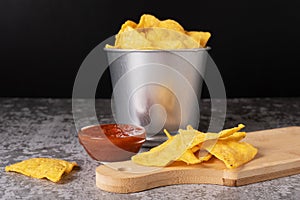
[157,89]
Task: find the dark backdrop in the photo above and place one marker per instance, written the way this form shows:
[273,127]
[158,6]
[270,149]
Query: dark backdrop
[43,42]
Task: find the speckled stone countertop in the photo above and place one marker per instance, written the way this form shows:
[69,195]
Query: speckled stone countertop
[45,128]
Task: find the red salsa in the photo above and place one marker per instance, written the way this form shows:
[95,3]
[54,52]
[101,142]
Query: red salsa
[112,142]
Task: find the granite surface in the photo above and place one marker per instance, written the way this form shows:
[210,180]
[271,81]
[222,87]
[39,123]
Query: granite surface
[45,128]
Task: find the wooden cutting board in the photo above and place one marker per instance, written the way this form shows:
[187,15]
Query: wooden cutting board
[278,156]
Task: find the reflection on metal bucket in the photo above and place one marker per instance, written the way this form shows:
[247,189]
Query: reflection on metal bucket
[157,89]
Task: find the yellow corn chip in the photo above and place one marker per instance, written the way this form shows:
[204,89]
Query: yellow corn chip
[125,41]
[110,46]
[147,21]
[192,146]
[237,136]
[129,23]
[200,37]
[171,25]
[195,35]
[49,168]
[166,153]
[233,153]
[162,38]
[189,157]
[168,134]
[195,148]
[151,33]
[69,165]
[228,132]
[203,155]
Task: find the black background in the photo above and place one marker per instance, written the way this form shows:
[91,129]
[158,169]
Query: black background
[255,44]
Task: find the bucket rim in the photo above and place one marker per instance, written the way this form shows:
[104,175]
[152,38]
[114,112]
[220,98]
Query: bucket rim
[157,50]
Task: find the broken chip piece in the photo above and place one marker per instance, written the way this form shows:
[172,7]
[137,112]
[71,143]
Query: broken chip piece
[50,168]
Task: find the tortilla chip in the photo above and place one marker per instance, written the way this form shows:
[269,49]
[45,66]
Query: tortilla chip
[192,146]
[233,153]
[167,152]
[128,23]
[49,168]
[131,39]
[200,37]
[237,136]
[147,21]
[171,25]
[152,33]
[189,157]
[228,132]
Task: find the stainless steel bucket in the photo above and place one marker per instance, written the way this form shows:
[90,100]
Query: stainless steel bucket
[157,89]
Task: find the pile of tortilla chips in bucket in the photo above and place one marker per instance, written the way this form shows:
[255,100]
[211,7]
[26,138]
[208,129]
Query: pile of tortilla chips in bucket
[152,33]
[50,168]
[192,146]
